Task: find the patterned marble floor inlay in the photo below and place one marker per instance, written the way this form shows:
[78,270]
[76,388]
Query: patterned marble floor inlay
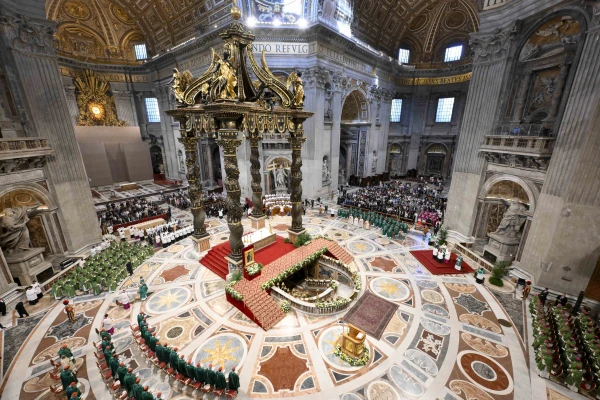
[428,337]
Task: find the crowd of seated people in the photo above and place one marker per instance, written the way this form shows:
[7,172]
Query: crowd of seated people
[202,377]
[127,211]
[407,200]
[214,203]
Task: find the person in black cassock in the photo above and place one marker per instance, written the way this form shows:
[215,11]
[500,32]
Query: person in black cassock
[21,310]
[2,307]
[129,267]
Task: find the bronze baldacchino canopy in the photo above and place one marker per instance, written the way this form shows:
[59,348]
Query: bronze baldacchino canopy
[237,95]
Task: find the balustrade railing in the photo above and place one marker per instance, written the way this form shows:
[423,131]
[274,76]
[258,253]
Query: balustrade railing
[23,144]
[305,306]
[471,257]
[528,144]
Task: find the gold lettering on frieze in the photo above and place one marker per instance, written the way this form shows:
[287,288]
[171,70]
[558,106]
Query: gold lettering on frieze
[445,80]
[107,77]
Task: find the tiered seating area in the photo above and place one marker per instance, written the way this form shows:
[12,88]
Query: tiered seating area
[567,347]
[257,304]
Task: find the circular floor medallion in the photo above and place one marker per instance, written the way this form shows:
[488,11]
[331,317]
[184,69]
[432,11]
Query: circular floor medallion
[390,289]
[485,373]
[227,350]
[432,296]
[174,332]
[483,370]
[382,390]
[168,299]
[361,247]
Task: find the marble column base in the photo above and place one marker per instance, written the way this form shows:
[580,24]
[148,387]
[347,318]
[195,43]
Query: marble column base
[202,244]
[234,266]
[258,222]
[293,235]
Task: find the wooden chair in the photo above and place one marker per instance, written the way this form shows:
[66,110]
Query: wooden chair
[231,394]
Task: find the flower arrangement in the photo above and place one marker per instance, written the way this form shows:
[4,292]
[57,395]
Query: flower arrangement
[332,303]
[357,281]
[232,292]
[326,237]
[302,239]
[353,361]
[294,268]
[254,269]
[285,306]
[333,285]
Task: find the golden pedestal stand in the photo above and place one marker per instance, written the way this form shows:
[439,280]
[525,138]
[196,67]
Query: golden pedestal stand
[352,342]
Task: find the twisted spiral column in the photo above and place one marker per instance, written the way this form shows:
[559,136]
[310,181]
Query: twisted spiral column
[257,210]
[190,145]
[229,143]
[296,139]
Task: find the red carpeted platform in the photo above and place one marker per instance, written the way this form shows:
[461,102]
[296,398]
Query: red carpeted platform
[216,262]
[425,257]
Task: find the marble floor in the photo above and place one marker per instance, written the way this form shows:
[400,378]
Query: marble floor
[449,338]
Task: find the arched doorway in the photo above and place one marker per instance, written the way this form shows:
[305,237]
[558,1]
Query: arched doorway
[157,160]
[354,135]
[435,159]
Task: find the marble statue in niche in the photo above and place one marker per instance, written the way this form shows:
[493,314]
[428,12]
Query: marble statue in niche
[512,221]
[329,9]
[328,98]
[14,234]
[181,161]
[326,172]
[280,178]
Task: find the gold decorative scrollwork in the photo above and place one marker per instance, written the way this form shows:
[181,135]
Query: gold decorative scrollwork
[95,101]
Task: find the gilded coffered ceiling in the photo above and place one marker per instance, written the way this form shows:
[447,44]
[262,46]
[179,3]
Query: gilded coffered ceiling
[106,30]
[425,26]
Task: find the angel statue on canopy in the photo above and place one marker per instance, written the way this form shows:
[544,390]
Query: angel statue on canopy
[296,86]
[180,82]
[224,80]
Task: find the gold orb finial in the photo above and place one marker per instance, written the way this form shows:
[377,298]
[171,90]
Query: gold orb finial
[235,11]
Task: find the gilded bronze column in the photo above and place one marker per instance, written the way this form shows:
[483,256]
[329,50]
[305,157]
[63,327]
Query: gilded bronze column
[257,210]
[229,141]
[296,140]
[190,144]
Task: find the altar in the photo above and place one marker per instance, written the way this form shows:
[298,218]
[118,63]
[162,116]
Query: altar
[260,238]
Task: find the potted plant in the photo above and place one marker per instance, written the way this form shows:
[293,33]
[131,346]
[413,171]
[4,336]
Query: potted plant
[499,271]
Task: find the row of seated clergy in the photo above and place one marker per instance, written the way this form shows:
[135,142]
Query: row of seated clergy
[167,355]
[120,373]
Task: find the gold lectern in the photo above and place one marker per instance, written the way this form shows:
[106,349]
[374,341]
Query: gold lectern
[353,341]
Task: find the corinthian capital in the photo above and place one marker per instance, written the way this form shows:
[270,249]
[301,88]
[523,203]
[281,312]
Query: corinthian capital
[23,35]
[492,46]
[317,76]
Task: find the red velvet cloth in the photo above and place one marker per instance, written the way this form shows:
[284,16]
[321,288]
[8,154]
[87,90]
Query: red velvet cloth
[425,257]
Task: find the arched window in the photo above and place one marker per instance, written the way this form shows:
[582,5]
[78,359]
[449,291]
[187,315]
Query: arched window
[453,53]
[403,56]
